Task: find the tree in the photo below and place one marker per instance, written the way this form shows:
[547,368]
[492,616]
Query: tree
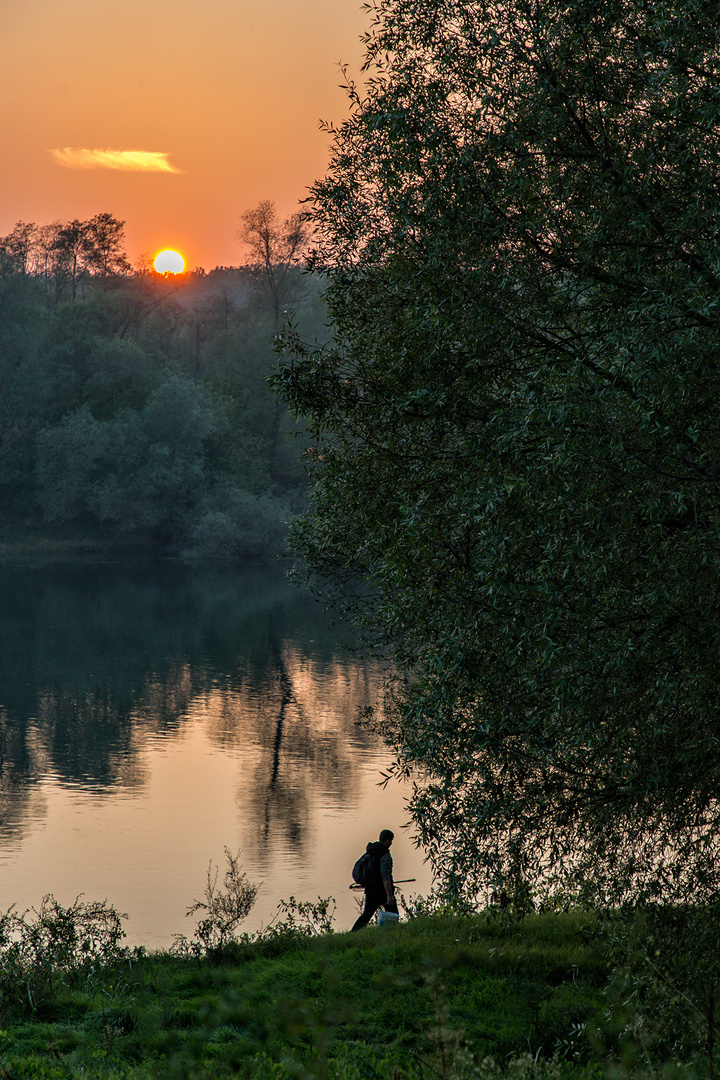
[88,248]
[17,247]
[68,250]
[275,250]
[516,430]
[104,246]
[140,470]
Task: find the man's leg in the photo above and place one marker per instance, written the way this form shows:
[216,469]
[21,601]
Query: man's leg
[373,901]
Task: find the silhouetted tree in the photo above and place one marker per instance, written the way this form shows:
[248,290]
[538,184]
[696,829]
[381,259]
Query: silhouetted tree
[103,246]
[517,430]
[275,251]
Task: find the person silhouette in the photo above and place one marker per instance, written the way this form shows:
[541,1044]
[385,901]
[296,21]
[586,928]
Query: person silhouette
[380,891]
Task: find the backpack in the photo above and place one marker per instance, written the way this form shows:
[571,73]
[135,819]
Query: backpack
[366,869]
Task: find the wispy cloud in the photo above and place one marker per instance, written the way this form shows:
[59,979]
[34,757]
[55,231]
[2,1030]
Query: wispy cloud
[74,157]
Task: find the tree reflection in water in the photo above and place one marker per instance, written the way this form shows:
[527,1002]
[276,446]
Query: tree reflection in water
[97,662]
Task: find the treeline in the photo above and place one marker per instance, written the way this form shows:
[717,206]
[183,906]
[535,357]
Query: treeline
[137,402]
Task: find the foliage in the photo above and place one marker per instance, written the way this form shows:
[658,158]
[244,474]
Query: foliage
[662,991]
[300,918]
[40,949]
[231,523]
[140,469]
[435,903]
[516,431]
[140,404]
[224,908]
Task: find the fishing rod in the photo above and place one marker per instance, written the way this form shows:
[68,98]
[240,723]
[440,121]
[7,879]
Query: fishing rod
[403,881]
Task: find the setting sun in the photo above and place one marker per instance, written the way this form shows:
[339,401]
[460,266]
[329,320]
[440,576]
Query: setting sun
[169,262]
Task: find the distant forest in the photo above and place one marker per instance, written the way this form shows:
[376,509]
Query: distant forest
[137,403]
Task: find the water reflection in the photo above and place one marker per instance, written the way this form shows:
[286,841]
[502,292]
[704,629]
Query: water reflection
[93,660]
[124,683]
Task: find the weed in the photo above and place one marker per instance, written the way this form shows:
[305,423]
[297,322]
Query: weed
[224,909]
[54,944]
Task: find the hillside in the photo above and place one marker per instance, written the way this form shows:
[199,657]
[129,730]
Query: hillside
[431,997]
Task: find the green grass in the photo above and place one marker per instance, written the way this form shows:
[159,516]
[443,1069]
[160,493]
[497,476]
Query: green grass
[431,997]
[26,537]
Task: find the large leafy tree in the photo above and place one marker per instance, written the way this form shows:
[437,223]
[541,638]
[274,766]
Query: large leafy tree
[517,429]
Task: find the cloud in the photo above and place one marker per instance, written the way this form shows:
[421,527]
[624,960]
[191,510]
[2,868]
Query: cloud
[73,157]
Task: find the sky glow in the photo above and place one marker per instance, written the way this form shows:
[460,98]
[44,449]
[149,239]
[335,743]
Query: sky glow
[173,116]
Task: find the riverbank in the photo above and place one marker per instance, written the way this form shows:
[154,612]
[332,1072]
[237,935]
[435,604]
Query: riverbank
[27,539]
[430,997]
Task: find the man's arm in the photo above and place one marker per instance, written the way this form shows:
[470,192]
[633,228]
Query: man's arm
[386,865]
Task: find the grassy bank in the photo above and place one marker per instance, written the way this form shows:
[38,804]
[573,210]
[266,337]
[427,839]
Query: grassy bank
[431,997]
[26,538]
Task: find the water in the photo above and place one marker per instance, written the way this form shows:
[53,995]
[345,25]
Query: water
[152,715]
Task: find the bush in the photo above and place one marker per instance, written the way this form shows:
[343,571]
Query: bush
[300,918]
[52,945]
[224,909]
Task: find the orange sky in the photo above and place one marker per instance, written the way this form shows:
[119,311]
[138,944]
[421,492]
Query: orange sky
[230,91]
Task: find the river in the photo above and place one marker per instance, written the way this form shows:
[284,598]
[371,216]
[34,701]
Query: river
[154,713]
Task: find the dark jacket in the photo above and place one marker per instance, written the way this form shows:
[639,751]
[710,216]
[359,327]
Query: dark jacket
[382,866]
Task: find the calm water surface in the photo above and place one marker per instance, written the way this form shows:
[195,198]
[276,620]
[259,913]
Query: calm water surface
[152,715]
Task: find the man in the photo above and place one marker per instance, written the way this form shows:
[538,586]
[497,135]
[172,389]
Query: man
[380,892]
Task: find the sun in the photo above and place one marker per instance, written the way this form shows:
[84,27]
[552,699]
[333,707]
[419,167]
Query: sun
[169,262]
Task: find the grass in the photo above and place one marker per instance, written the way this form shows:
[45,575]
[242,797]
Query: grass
[28,538]
[431,997]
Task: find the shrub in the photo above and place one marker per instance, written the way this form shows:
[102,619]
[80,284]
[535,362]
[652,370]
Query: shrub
[300,918]
[224,909]
[52,945]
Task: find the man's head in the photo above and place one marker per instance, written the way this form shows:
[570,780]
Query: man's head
[386,837]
